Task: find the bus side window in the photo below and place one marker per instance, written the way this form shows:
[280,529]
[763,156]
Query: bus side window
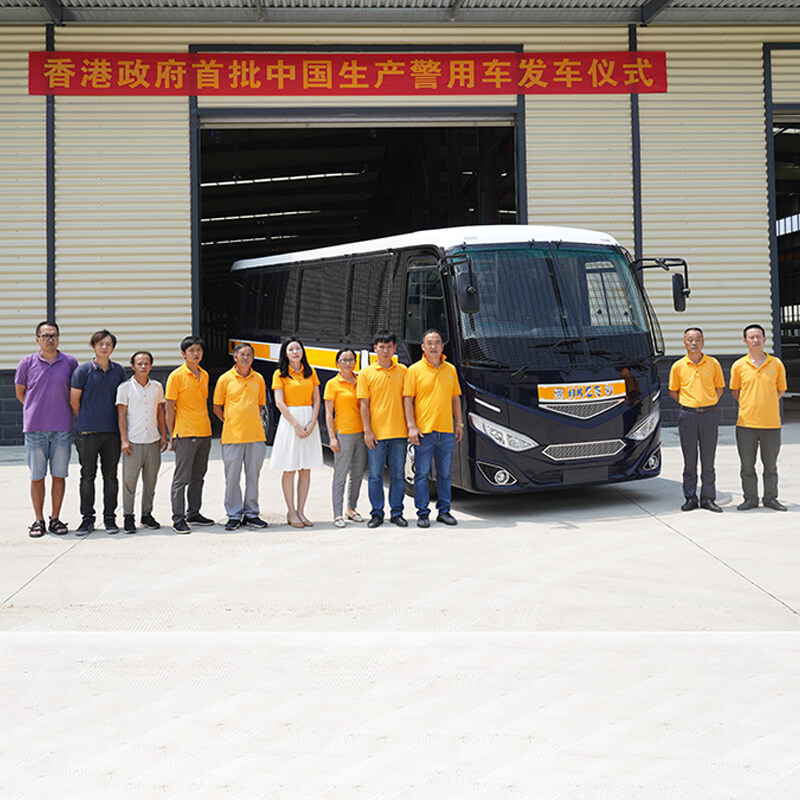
[424,305]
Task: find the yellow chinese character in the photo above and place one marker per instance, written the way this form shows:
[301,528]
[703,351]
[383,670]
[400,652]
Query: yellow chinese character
[635,72]
[96,73]
[602,72]
[281,72]
[244,74]
[534,69]
[426,73]
[170,74]
[567,72]
[463,74]
[207,73]
[133,74]
[317,75]
[354,75]
[389,67]
[59,72]
[496,72]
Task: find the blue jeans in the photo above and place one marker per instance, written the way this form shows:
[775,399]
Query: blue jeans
[436,447]
[393,452]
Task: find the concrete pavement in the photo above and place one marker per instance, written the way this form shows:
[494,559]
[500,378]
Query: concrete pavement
[590,644]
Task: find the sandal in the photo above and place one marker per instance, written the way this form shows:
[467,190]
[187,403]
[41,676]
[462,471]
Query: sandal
[339,522]
[57,527]
[354,516]
[37,529]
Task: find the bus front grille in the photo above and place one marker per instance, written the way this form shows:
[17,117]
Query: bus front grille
[582,410]
[579,450]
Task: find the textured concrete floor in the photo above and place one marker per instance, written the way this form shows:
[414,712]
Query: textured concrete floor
[591,644]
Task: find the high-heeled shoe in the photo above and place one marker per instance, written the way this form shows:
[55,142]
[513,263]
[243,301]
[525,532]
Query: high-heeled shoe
[307,523]
[297,524]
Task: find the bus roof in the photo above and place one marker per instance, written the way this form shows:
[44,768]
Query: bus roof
[443,238]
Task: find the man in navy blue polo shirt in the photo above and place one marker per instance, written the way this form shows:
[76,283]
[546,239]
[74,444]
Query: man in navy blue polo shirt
[93,398]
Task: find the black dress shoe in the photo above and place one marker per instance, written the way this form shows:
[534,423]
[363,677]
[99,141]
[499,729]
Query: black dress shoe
[775,505]
[747,505]
[423,522]
[447,518]
[690,504]
[399,521]
[374,521]
[709,505]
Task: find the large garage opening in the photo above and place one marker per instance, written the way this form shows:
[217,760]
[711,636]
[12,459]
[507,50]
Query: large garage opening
[271,191]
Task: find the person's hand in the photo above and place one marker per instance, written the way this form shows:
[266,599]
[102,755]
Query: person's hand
[334,443]
[459,432]
[164,442]
[369,440]
[414,435]
[126,448]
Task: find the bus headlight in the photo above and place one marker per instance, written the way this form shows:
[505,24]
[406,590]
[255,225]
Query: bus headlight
[505,437]
[646,427]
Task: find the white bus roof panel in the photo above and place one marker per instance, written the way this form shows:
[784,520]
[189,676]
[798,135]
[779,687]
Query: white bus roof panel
[443,238]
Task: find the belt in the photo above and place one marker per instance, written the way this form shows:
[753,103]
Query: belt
[699,409]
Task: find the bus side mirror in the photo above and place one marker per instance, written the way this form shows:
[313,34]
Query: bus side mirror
[467,294]
[679,292]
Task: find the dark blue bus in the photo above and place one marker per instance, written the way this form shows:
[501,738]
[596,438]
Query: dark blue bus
[550,329]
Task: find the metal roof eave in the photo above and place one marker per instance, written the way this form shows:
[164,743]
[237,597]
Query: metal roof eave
[399,17]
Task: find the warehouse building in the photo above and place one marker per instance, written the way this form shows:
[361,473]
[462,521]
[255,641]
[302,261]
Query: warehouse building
[126,198]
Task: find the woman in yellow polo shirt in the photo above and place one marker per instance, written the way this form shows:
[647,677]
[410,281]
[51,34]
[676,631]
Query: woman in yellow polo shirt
[346,434]
[297,447]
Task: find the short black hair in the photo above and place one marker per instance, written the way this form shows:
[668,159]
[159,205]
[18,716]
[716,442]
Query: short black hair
[142,353]
[191,340]
[754,325]
[98,336]
[385,337]
[47,322]
[694,328]
[241,346]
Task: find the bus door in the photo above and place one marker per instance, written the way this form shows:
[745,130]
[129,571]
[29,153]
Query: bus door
[425,306]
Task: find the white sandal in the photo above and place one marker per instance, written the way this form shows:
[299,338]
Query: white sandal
[339,522]
[354,516]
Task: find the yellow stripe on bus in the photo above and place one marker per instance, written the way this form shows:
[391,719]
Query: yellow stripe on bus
[318,357]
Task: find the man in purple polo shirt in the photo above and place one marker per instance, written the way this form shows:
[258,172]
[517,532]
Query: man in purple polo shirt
[42,386]
[93,398]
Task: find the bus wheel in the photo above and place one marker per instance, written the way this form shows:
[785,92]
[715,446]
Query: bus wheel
[408,475]
[268,421]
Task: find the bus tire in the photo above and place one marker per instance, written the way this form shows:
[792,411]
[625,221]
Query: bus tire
[268,421]
[408,475]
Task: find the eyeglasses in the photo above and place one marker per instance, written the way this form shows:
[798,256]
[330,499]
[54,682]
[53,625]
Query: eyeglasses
[50,337]
[347,361]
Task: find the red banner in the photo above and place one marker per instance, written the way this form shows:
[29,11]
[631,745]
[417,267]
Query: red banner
[344,74]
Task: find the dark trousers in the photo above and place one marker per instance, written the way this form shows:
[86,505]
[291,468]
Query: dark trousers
[108,447]
[191,463]
[698,430]
[748,443]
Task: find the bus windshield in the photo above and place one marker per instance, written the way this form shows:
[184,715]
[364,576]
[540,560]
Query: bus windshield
[555,306]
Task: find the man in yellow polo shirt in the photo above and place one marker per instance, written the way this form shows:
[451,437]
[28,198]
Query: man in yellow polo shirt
[758,381]
[239,397]
[431,395]
[380,395]
[190,428]
[696,383]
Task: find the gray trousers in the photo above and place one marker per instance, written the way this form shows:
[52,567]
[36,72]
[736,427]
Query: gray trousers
[350,460]
[249,455]
[748,442]
[145,460]
[698,429]
[191,463]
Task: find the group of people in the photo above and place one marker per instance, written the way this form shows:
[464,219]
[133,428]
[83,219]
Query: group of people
[371,416]
[757,382]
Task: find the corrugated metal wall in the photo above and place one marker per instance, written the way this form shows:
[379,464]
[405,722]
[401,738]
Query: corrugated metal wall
[579,170]
[704,179]
[23,255]
[786,76]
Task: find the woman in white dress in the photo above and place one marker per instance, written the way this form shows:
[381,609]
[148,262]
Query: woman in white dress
[297,447]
